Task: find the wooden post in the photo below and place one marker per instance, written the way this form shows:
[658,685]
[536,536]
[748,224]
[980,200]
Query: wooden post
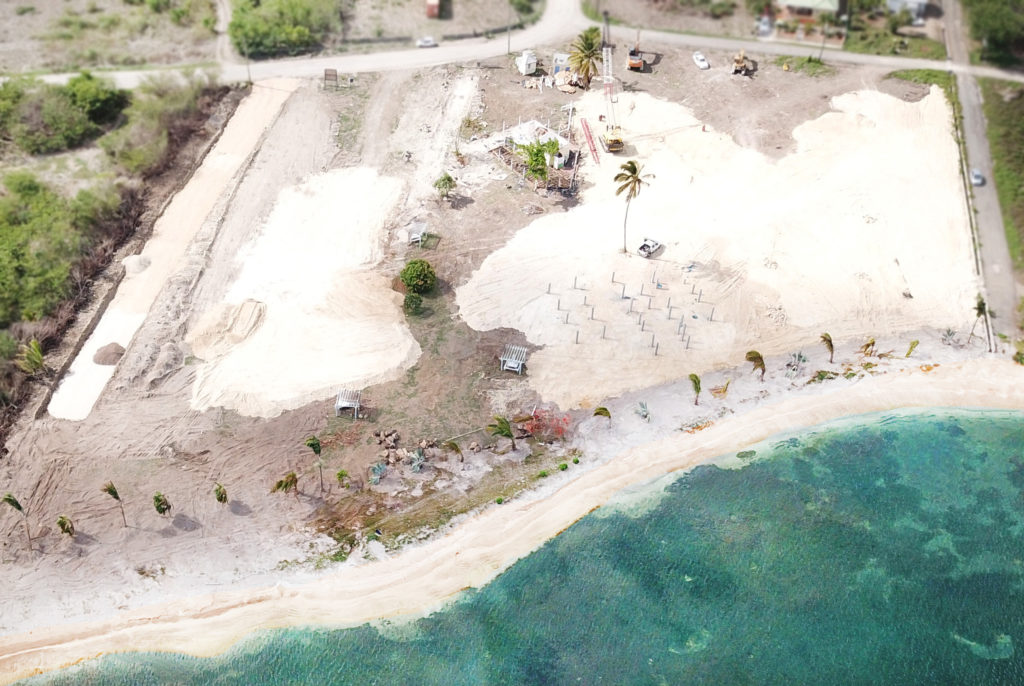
[604,327]
[577,336]
[656,349]
[711,318]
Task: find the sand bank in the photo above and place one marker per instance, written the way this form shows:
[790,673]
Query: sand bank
[863,231]
[421,578]
[306,314]
[163,254]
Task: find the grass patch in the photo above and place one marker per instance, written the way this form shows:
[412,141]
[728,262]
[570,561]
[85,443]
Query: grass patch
[809,65]
[1004,110]
[872,40]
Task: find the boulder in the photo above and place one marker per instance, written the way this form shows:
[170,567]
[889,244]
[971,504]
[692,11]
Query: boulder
[110,354]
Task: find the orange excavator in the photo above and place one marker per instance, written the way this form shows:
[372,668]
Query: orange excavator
[635,58]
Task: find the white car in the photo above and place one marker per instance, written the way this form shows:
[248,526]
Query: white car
[648,248]
[977,179]
[700,60]
[426,42]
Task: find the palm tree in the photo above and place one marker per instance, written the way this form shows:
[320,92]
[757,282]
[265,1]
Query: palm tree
[695,381]
[980,310]
[342,477]
[603,412]
[290,482]
[630,181]
[868,349]
[502,427]
[313,443]
[161,504]
[754,358]
[109,489]
[826,339]
[30,358]
[66,526]
[13,502]
[585,53]
[445,184]
[220,493]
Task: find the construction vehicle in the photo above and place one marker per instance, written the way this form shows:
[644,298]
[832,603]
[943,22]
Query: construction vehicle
[635,58]
[611,139]
[741,65]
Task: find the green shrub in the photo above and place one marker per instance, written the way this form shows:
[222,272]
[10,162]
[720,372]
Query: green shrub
[276,27]
[47,120]
[418,276]
[499,500]
[98,98]
[543,473]
[8,346]
[413,304]
[721,9]
[25,9]
[575,460]
[562,467]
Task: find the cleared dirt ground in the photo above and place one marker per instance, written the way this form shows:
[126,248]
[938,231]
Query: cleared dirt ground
[144,435]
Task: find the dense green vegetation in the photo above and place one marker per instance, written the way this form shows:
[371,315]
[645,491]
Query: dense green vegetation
[41,235]
[262,28]
[42,118]
[999,26]
[53,243]
[1004,112]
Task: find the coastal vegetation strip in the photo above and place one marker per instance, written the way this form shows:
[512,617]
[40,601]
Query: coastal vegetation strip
[1004,111]
[56,238]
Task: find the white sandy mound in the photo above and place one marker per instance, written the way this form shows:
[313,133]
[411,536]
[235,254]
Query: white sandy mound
[306,316]
[758,254]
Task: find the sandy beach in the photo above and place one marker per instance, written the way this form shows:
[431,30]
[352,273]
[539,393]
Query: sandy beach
[423,578]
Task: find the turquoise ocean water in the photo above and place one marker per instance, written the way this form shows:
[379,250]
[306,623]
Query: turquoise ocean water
[885,550]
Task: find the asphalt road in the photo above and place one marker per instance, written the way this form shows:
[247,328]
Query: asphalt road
[996,265]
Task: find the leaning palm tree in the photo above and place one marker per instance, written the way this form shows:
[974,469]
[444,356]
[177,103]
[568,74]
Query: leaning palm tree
[826,340]
[161,504]
[10,500]
[313,443]
[109,489]
[980,310]
[630,181]
[66,526]
[290,482]
[754,358]
[453,447]
[220,493]
[585,53]
[502,427]
[695,381]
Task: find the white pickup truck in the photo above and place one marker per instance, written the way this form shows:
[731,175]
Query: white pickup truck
[648,247]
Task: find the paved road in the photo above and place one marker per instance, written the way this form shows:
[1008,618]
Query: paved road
[561,21]
[997,267]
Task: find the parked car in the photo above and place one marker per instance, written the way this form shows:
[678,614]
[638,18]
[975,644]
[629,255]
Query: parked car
[426,42]
[700,60]
[977,179]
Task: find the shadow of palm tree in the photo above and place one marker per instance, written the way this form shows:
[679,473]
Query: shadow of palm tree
[184,522]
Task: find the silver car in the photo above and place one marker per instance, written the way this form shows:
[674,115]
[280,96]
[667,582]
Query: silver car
[977,179]
[700,60]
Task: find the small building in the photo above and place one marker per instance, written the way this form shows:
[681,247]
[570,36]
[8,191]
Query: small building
[559,62]
[433,9]
[347,400]
[527,63]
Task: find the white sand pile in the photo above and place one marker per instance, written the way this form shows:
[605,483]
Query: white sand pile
[306,315]
[146,274]
[758,253]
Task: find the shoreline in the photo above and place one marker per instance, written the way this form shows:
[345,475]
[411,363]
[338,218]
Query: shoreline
[421,578]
